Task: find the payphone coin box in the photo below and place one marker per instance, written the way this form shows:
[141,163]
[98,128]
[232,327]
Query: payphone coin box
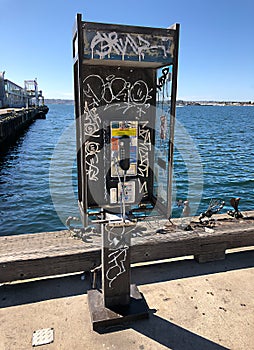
[122,75]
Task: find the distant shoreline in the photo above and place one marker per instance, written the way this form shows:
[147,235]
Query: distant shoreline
[178,102]
[58,101]
[214,103]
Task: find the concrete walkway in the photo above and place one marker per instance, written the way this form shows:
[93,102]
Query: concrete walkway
[192,307]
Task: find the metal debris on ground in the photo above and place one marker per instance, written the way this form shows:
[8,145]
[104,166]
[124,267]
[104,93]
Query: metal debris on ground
[43,336]
[214,207]
[235,213]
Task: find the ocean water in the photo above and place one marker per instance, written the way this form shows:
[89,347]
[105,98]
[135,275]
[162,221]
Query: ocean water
[222,149]
[214,156]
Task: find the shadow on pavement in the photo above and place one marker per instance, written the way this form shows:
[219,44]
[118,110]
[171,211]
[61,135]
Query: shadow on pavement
[173,336]
[53,288]
[174,270]
[166,333]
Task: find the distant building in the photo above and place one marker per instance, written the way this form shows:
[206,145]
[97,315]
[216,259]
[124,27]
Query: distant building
[13,95]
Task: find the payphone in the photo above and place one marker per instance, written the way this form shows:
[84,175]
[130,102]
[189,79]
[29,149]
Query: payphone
[116,119]
[125,80]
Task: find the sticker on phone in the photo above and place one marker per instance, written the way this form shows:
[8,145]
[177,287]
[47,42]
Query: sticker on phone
[121,132]
[129,191]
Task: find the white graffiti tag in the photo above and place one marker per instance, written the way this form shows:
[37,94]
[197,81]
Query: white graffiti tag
[116,92]
[118,240]
[144,148]
[105,44]
[117,259]
[143,187]
[91,129]
[145,134]
[91,121]
[92,170]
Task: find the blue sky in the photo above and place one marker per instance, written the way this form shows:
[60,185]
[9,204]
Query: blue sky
[216,42]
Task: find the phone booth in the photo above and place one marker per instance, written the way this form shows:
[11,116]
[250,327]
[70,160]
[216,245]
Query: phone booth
[125,80]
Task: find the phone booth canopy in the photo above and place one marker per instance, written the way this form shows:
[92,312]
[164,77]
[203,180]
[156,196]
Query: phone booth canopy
[125,81]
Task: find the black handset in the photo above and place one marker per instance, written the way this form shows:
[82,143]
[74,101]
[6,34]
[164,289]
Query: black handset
[124,152]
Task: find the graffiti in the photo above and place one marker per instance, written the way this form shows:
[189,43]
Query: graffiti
[145,133]
[91,121]
[163,78]
[144,149]
[104,45]
[117,92]
[143,187]
[115,238]
[144,162]
[117,259]
[91,129]
[119,247]
[92,171]
[118,239]
[91,149]
[106,157]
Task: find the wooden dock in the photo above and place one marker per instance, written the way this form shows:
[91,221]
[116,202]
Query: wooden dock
[15,120]
[54,253]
